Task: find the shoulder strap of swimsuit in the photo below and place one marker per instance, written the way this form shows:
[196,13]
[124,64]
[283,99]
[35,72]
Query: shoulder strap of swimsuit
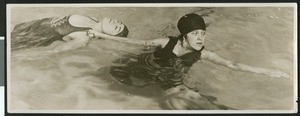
[201,49]
[57,21]
[171,44]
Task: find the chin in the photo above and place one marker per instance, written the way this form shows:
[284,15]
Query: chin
[197,47]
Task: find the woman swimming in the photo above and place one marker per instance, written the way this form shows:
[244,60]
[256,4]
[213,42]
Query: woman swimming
[175,55]
[169,64]
[73,29]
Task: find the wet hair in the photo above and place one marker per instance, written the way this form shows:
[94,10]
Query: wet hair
[124,33]
[180,37]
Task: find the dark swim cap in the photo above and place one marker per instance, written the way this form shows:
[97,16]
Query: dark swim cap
[190,22]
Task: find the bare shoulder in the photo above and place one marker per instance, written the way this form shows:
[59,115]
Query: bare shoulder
[205,51]
[206,54]
[161,41]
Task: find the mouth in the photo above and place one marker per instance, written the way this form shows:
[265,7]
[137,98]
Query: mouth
[199,43]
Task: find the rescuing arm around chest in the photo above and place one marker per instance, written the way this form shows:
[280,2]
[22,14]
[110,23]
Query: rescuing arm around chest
[161,42]
[214,57]
[73,41]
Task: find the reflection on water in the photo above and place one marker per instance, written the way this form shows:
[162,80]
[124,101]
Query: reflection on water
[78,79]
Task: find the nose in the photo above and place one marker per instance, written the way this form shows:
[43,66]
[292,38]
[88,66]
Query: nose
[200,38]
[115,22]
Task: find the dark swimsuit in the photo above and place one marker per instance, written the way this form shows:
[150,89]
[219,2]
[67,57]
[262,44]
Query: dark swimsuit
[162,66]
[165,68]
[41,32]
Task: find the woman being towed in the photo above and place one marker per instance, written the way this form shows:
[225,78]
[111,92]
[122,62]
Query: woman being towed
[168,65]
[73,29]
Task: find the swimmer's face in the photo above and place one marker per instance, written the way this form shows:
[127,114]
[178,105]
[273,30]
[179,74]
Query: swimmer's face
[196,39]
[111,26]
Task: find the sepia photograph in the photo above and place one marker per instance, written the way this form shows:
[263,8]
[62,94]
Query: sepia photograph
[152,58]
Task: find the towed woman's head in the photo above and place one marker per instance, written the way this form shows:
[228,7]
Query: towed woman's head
[112,27]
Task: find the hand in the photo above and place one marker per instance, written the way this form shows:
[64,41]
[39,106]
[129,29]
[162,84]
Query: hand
[93,33]
[232,65]
[276,73]
[90,34]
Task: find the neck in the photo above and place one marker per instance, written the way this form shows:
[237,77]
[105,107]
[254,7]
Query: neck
[181,49]
[97,27]
[186,46]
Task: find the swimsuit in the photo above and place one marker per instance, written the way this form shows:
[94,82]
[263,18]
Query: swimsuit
[41,32]
[161,66]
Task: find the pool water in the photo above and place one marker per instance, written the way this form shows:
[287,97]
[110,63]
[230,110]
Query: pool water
[79,79]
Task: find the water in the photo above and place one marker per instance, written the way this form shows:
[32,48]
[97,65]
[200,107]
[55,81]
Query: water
[78,79]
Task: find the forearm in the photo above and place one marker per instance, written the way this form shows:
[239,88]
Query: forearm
[128,40]
[211,56]
[238,66]
[143,42]
[243,67]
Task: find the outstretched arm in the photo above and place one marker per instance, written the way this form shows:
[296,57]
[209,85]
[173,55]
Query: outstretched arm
[144,42]
[212,56]
[73,41]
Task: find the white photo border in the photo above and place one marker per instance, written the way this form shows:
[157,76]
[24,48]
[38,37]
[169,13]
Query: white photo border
[295,67]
